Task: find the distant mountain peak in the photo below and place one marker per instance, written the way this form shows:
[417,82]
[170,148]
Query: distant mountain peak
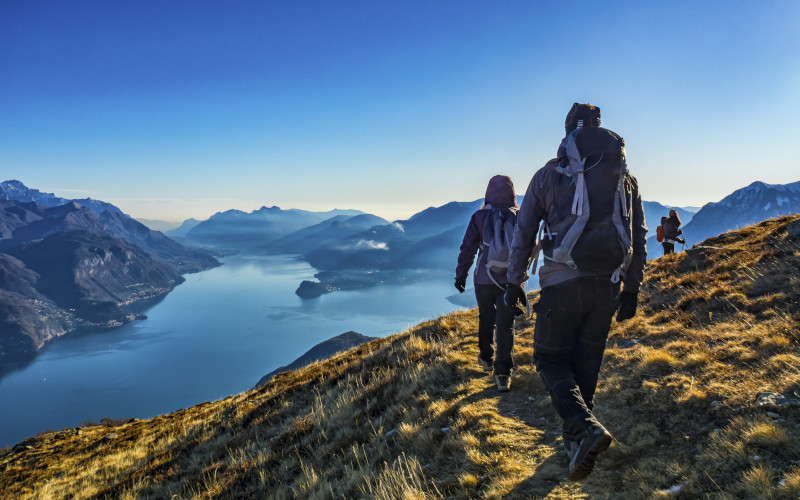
[15,190]
[15,184]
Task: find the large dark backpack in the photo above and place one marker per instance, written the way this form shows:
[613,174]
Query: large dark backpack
[670,228]
[498,233]
[589,227]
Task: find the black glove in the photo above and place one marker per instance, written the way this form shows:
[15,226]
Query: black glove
[627,305]
[681,241]
[515,295]
[460,285]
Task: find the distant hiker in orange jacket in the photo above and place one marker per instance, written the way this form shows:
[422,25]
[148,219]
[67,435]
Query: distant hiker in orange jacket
[489,232]
[588,214]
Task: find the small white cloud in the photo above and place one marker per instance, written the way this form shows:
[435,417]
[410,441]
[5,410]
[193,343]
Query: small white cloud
[367,245]
[399,227]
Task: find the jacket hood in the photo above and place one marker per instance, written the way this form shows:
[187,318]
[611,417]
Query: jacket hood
[500,191]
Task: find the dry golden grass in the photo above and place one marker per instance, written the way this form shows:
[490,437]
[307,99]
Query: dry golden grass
[412,417]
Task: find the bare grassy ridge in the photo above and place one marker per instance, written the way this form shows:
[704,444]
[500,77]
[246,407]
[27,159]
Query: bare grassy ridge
[411,417]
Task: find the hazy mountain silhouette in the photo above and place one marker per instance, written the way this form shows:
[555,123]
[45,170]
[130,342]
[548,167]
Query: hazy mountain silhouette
[159,225]
[234,229]
[323,234]
[183,229]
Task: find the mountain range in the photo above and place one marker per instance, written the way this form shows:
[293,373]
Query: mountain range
[350,249]
[743,207]
[363,251]
[68,264]
[235,229]
[700,391]
[754,203]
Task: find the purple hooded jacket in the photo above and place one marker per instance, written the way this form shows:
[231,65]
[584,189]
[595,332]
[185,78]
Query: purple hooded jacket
[499,193]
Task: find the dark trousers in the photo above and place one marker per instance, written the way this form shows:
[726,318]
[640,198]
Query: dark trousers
[572,323]
[495,319]
[668,247]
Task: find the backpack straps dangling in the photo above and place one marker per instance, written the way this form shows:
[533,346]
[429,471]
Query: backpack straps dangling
[622,200]
[544,230]
[576,166]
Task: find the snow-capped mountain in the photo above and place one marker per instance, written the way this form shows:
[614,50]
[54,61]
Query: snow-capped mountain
[743,207]
[15,190]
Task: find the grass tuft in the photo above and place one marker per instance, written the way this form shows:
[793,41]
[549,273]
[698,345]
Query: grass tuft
[658,362]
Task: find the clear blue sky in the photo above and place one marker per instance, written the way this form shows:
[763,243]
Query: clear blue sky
[174,109]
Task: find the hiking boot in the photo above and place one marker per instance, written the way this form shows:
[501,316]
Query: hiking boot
[486,365]
[503,383]
[582,463]
[570,447]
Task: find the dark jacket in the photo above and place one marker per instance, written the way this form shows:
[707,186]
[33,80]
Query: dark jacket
[537,206]
[672,228]
[499,193]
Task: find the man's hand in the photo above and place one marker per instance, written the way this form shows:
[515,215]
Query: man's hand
[515,295]
[627,305]
[460,284]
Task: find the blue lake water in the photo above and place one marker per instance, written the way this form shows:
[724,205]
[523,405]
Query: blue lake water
[215,335]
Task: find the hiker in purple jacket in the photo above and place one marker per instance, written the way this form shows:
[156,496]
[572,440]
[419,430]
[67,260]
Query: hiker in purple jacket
[494,315]
[584,211]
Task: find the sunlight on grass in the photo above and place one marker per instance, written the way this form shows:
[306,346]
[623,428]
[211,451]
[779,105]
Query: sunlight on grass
[758,483]
[658,362]
[768,436]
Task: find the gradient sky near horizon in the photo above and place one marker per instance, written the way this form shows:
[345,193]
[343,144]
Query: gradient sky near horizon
[181,109]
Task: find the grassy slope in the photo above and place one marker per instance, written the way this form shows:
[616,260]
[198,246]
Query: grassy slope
[410,417]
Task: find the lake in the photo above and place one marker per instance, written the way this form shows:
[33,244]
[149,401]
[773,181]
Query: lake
[215,335]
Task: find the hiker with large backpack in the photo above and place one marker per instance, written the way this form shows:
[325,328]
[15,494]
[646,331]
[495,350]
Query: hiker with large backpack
[489,233]
[669,232]
[584,212]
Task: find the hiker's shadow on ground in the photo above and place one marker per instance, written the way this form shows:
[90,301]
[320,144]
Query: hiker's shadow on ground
[545,479]
[550,472]
[522,404]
